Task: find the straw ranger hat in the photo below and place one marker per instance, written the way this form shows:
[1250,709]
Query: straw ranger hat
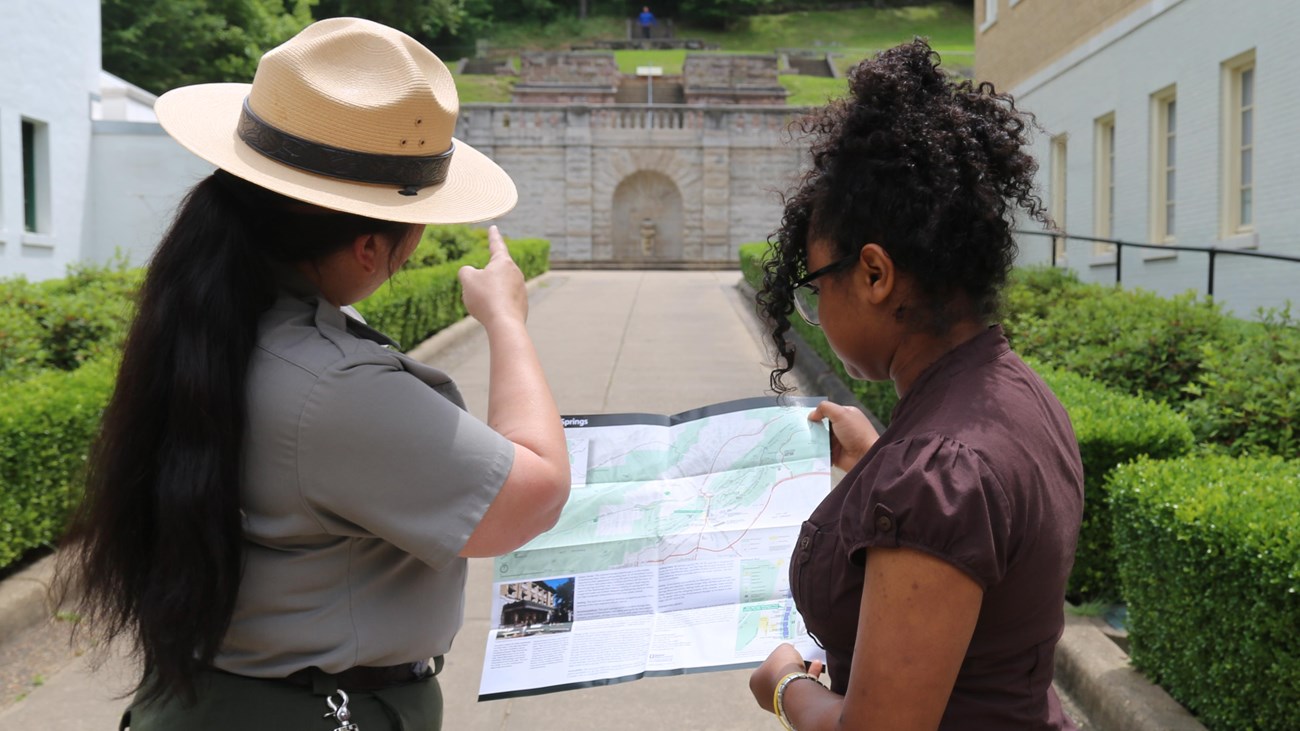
[350,115]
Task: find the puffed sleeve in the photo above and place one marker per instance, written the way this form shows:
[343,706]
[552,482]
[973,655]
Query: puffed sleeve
[935,495]
[381,453]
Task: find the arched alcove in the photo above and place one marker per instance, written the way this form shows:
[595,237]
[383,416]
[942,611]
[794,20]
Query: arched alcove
[646,224]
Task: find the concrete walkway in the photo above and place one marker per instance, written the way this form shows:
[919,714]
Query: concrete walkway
[658,342]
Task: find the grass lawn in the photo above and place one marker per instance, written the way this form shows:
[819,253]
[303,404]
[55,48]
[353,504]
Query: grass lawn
[812,91]
[859,30]
[484,87]
[559,35]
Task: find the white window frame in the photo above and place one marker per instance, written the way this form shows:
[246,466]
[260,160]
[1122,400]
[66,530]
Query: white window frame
[38,166]
[1234,150]
[1057,204]
[1103,197]
[990,14]
[1162,167]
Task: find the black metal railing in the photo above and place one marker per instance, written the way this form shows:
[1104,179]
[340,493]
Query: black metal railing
[1058,237]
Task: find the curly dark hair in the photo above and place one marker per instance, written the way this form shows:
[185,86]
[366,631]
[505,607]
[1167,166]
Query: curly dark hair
[930,168]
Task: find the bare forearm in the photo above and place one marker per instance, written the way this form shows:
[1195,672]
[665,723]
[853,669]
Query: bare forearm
[520,405]
[812,707]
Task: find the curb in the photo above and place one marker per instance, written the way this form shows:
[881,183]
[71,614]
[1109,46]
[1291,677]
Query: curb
[25,599]
[1097,674]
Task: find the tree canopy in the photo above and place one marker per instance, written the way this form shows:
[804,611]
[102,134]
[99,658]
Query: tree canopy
[162,44]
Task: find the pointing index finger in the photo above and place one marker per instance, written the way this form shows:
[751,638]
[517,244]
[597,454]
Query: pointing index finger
[496,244]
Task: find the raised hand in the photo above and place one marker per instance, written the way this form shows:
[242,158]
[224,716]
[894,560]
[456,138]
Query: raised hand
[851,432]
[496,292]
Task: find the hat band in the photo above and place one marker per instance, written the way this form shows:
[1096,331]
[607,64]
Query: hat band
[409,173]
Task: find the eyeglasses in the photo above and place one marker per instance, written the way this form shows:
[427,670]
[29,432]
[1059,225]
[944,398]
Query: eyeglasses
[807,294]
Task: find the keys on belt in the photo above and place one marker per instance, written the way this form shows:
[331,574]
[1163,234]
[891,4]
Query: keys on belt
[339,711]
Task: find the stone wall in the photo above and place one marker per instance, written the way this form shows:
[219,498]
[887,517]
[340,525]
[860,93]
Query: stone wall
[589,177]
[554,77]
[732,79]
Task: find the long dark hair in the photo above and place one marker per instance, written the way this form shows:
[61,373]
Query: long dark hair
[931,168]
[155,546]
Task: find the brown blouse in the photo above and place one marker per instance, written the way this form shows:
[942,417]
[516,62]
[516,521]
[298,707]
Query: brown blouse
[979,467]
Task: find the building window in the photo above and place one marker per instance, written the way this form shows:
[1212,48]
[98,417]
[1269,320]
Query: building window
[1104,196]
[35,176]
[1057,207]
[1164,166]
[1238,208]
[990,14]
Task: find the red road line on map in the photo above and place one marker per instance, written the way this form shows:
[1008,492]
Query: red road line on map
[744,532]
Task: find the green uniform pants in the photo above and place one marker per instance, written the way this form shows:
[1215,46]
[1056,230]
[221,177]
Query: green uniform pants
[227,702]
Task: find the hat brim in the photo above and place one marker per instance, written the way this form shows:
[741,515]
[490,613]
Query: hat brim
[203,119]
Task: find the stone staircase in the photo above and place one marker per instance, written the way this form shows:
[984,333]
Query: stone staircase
[667,90]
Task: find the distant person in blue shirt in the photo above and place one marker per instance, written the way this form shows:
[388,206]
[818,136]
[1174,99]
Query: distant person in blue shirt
[646,19]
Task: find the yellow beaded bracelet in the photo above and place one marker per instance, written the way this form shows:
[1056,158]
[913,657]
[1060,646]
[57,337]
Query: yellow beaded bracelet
[778,697]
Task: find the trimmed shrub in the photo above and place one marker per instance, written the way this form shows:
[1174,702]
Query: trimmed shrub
[1112,428]
[21,339]
[62,323]
[46,426]
[441,244]
[419,302]
[1209,554]
[1134,341]
[1249,389]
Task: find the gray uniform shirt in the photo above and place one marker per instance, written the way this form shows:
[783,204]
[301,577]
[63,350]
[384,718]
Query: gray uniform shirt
[363,479]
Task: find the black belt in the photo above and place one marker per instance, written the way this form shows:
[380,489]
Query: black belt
[364,678]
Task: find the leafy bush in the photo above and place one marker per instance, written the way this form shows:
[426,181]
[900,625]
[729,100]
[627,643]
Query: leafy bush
[1112,428]
[421,301]
[1209,555]
[441,244]
[1134,341]
[1249,389]
[46,426]
[1032,292]
[62,323]
[21,338]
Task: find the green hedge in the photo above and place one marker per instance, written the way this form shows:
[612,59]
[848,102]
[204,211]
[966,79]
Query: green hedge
[419,302]
[1111,427]
[1134,341]
[1238,381]
[1209,553]
[441,244]
[1248,392]
[62,323]
[47,422]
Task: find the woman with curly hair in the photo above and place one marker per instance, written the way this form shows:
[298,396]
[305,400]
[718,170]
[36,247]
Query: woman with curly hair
[934,573]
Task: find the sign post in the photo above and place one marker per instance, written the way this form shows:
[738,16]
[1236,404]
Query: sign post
[650,72]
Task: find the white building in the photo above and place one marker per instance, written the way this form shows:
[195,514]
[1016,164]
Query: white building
[85,170]
[1166,122]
